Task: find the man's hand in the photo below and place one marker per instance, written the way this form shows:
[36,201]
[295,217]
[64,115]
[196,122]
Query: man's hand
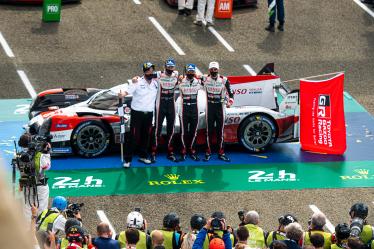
[223,223]
[34,210]
[208,224]
[229,103]
[122,94]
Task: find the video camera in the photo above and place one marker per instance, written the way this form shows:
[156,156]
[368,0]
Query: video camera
[24,160]
[73,209]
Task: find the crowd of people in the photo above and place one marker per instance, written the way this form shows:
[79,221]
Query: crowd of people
[204,233]
[205,11]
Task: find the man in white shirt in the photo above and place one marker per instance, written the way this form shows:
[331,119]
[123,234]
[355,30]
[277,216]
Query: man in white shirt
[144,94]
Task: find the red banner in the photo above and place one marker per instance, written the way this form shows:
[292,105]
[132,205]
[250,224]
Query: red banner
[322,122]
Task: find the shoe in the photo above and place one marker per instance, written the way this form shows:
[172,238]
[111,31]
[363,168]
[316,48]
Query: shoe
[182,158]
[172,158]
[187,12]
[198,23]
[153,158]
[194,157]
[281,27]
[144,160]
[209,24]
[270,28]
[126,165]
[181,12]
[207,157]
[223,157]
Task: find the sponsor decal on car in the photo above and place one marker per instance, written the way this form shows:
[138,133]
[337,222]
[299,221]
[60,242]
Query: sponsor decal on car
[280,176]
[68,182]
[61,125]
[62,150]
[59,136]
[173,179]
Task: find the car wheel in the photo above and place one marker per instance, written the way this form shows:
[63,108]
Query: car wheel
[257,132]
[91,139]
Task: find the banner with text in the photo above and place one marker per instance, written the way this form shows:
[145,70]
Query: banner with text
[322,121]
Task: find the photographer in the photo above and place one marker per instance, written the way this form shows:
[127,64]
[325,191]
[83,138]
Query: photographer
[171,231]
[316,224]
[256,234]
[342,233]
[358,225]
[32,162]
[280,233]
[215,242]
[54,219]
[197,222]
[135,220]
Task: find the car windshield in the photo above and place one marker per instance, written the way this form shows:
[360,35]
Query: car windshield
[106,100]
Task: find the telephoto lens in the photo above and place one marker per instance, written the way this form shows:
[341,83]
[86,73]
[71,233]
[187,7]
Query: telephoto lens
[356,226]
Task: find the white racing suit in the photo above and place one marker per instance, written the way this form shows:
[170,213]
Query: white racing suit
[165,108]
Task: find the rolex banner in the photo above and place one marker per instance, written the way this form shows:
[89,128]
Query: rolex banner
[322,122]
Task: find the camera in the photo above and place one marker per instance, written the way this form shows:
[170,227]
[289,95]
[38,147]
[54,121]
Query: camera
[73,209]
[216,224]
[356,226]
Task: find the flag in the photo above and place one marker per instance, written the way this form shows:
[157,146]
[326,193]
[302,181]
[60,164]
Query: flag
[322,122]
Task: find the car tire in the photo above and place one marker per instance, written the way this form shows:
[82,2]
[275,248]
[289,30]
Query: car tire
[91,139]
[257,133]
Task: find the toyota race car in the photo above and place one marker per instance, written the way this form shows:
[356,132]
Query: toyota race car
[89,128]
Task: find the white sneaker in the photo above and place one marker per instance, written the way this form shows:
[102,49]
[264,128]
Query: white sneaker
[126,164]
[145,160]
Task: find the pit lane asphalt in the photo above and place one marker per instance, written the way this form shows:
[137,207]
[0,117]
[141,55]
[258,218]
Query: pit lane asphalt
[103,43]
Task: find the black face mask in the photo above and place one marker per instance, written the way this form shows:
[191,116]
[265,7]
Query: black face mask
[169,71]
[214,74]
[190,76]
[148,76]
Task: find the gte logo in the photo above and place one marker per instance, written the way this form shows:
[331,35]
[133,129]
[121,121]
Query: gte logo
[53,8]
[68,182]
[262,176]
[224,6]
[324,108]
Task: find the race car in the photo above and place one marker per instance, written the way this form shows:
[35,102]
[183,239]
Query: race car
[236,3]
[90,128]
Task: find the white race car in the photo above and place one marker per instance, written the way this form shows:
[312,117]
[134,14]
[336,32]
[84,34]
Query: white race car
[89,128]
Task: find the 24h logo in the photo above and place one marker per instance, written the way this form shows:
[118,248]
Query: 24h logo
[68,182]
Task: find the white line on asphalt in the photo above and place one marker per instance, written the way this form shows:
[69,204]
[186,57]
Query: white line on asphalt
[328,225]
[315,76]
[137,2]
[364,7]
[250,70]
[27,83]
[166,35]
[5,45]
[220,38]
[105,219]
